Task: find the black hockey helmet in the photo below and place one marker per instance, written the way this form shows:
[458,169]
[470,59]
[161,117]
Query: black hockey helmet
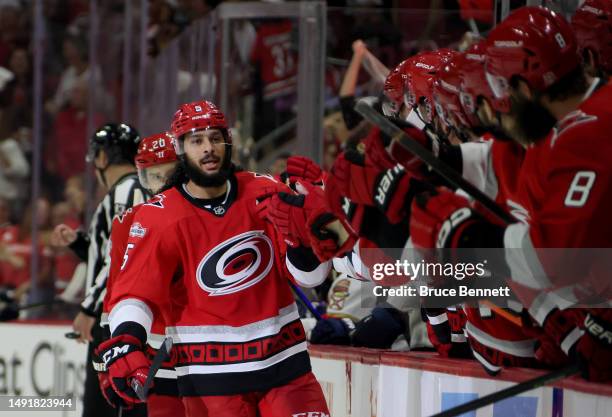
[119,141]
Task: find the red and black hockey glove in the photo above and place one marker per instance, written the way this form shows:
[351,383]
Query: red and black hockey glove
[301,168]
[594,349]
[125,362]
[445,329]
[332,331]
[444,219]
[109,393]
[394,190]
[354,178]
[376,149]
[106,388]
[389,190]
[556,337]
[289,214]
[305,220]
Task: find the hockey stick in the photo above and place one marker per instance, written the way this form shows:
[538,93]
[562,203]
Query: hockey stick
[364,107]
[163,353]
[510,391]
[298,291]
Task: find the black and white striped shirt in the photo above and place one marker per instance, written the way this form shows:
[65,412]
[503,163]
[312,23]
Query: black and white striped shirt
[126,192]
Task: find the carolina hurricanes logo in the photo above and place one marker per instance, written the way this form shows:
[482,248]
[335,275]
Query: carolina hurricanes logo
[236,264]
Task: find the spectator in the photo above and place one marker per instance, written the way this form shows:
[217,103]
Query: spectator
[75,54]
[14,171]
[75,197]
[163,27]
[16,96]
[5,215]
[16,251]
[10,34]
[68,145]
[64,260]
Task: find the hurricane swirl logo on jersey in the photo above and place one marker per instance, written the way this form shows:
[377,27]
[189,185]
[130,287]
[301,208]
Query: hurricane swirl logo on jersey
[236,264]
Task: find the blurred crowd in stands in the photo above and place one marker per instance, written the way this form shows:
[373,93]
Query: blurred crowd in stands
[395,30]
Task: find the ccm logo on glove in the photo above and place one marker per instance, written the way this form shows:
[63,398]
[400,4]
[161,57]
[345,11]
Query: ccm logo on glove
[114,352]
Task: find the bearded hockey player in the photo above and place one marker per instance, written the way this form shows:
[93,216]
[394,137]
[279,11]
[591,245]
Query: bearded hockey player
[155,161]
[533,68]
[216,271]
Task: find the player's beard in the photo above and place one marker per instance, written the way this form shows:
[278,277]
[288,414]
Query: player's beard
[202,179]
[532,121]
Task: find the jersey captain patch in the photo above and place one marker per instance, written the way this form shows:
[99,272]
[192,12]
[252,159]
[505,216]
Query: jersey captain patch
[236,264]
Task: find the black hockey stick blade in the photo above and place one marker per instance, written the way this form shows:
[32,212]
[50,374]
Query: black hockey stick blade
[510,391]
[364,107]
[163,353]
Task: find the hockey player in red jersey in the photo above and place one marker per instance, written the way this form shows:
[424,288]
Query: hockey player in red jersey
[155,161]
[592,23]
[207,262]
[532,62]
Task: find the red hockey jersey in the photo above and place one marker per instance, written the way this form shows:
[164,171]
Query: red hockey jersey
[277,61]
[216,273]
[564,194]
[122,229]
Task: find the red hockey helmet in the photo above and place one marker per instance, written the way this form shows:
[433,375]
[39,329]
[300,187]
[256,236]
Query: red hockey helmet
[394,88]
[474,84]
[592,24]
[420,79]
[533,43]
[155,150]
[155,160]
[198,115]
[446,91]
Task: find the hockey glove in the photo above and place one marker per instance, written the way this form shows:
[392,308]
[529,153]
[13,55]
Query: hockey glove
[305,220]
[288,213]
[304,169]
[389,190]
[380,329]
[376,151]
[594,348]
[109,393]
[126,362]
[332,331]
[443,219]
[394,191]
[354,178]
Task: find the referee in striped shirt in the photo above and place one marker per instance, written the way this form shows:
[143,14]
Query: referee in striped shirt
[112,150]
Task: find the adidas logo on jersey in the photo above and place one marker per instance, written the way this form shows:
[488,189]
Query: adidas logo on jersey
[311,414]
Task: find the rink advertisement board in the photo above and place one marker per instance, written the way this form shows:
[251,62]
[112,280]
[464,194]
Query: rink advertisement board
[37,360]
[368,383]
